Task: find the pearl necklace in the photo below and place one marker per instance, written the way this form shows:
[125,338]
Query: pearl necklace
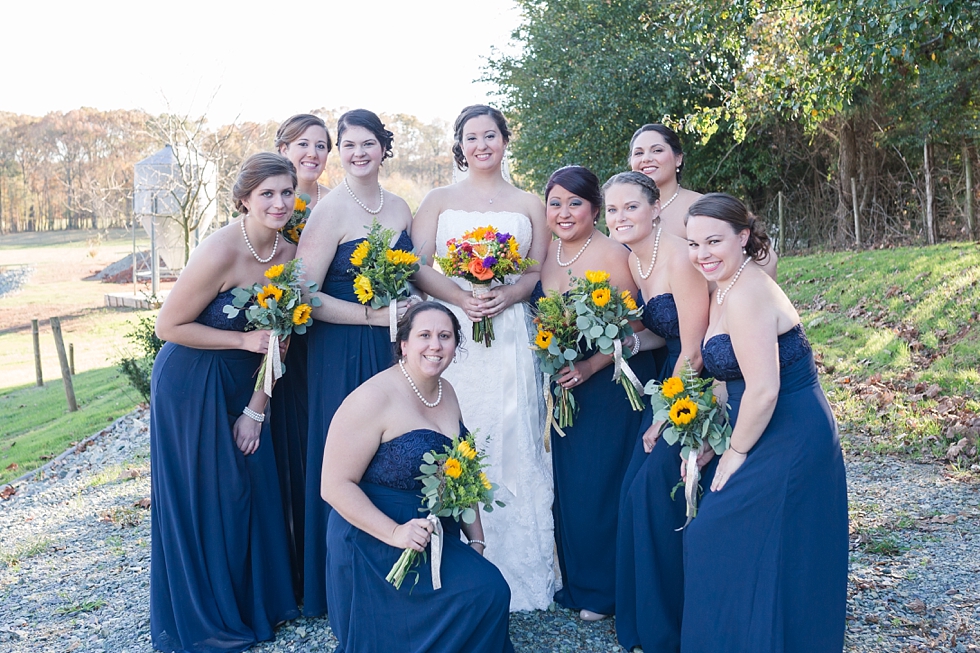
[252,249]
[430,404]
[317,192]
[574,258]
[653,260]
[721,296]
[363,205]
[672,198]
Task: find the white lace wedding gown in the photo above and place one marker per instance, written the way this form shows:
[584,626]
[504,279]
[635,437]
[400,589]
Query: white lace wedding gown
[499,394]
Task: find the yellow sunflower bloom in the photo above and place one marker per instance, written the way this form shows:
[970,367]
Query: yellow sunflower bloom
[399,256]
[301,314]
[274,271]
[362,288]
[628,300]
[466,450]
[360,253]
[512,245]
[267,292]
[597,276]
[543,339]
[300,205]
[294,233]
[453,468]
[683,411]
[485,481]
[600,296]
[672,387]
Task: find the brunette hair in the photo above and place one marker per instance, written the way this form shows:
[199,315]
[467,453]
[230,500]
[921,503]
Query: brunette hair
[671,138]
[293,127]
[256,169]
[577,180]
[371,122]
[475,111]
[724,207]
[408,320]
[646,184]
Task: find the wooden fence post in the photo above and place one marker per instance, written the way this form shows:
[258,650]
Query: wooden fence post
[59,343]
[71,357]
[781,246]
[35,333]
[854,203]
[927,166]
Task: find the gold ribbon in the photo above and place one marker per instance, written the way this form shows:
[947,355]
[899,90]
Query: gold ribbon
[435,542]
[550,412]
[273,365]
[392,319]
[621,366]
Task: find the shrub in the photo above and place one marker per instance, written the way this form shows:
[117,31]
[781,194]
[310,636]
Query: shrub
[139,367]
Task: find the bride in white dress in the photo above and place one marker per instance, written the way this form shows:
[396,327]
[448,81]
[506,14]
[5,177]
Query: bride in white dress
[497,386]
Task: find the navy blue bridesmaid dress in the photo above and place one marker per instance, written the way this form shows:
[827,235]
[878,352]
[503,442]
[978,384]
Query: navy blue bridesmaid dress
[650,554]
[219,570]
[765,561]
[368,615]
[289,415]
[589,465]
[341,357]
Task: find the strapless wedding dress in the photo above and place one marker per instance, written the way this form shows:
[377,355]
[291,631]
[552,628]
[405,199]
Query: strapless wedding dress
[500,398]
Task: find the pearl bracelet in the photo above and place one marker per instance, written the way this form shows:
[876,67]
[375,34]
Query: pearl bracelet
[635,349]
[477,542]
[251,414]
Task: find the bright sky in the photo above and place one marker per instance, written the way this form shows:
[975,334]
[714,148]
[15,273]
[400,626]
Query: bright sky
[259,61]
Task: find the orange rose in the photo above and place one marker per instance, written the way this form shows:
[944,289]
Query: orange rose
[477,270]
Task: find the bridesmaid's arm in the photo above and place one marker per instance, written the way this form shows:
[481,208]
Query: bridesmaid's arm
[474,532]
[690,290]
[248,431]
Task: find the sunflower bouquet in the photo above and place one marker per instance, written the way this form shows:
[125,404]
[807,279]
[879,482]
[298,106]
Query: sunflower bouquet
[603,317]
[691,414]
[556,345]
[382,272]
[482,256]
[277,305]
[453,483]
[293,228]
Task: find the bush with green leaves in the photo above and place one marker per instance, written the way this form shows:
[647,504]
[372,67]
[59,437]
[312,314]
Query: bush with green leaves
[139,367]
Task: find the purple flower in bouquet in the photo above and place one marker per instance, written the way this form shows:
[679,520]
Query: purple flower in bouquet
[489,262]
[503,238]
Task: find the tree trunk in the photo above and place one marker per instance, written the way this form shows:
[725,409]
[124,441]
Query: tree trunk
[968,168]
[846,168]
[927,166]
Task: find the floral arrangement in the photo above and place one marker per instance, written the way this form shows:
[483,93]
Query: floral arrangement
[293,228]
[556,345]
[277,305]
[691,414]
[382,272]
[603,317]
[453,482]
[482,256]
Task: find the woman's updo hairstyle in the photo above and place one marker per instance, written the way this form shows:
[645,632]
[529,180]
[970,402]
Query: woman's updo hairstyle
[256,169]
[293,127]
[468,113]
[646,184]
[670,137]
[371,122]
[724,207]
[408,320]
[580,181]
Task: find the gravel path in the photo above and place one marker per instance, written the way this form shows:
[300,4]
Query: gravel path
[75,555]
[11,279]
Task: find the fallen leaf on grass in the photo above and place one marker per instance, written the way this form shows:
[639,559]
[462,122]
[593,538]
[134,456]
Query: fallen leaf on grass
[12,466]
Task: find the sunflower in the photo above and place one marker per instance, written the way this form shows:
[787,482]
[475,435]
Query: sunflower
[628,300]
[453,468]
[360,253]
[672,387]
[543,339]
[301,314]
[600,296]
[294,233]
[397,256]
[300,205]
[597,276]
[468,452]
[362,288]
[485,481]
[683,411]
[274,271]
[267,292]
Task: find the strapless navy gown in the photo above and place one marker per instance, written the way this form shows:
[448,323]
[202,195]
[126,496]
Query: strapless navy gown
[219,570]
[368,615]
[589,465]
[341,357]
[650,553]
[765,561]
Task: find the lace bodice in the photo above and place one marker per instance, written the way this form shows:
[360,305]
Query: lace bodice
[660,316]
[719,356]
[214,316]
[396,462]
[453,223]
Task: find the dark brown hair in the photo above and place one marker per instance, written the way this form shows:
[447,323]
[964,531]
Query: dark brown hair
[724,207]
[371,122]
[577,180]
[468,113]
[256,169]
[405,325]
[671,138]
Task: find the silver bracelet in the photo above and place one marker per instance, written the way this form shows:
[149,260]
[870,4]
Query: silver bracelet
[635,348]
[477,542]
[258,417]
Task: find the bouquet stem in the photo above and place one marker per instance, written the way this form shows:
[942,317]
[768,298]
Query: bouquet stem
[401,567]
[482,330]
[636,400]
[566,411]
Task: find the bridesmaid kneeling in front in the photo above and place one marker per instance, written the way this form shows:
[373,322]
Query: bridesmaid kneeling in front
[370,463]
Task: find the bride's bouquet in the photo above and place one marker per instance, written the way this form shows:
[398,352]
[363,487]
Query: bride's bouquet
[382,272]
[277,305]
[482,256]
[453,482]
[603,317]
[293,228]
[556,345]
[690,412]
